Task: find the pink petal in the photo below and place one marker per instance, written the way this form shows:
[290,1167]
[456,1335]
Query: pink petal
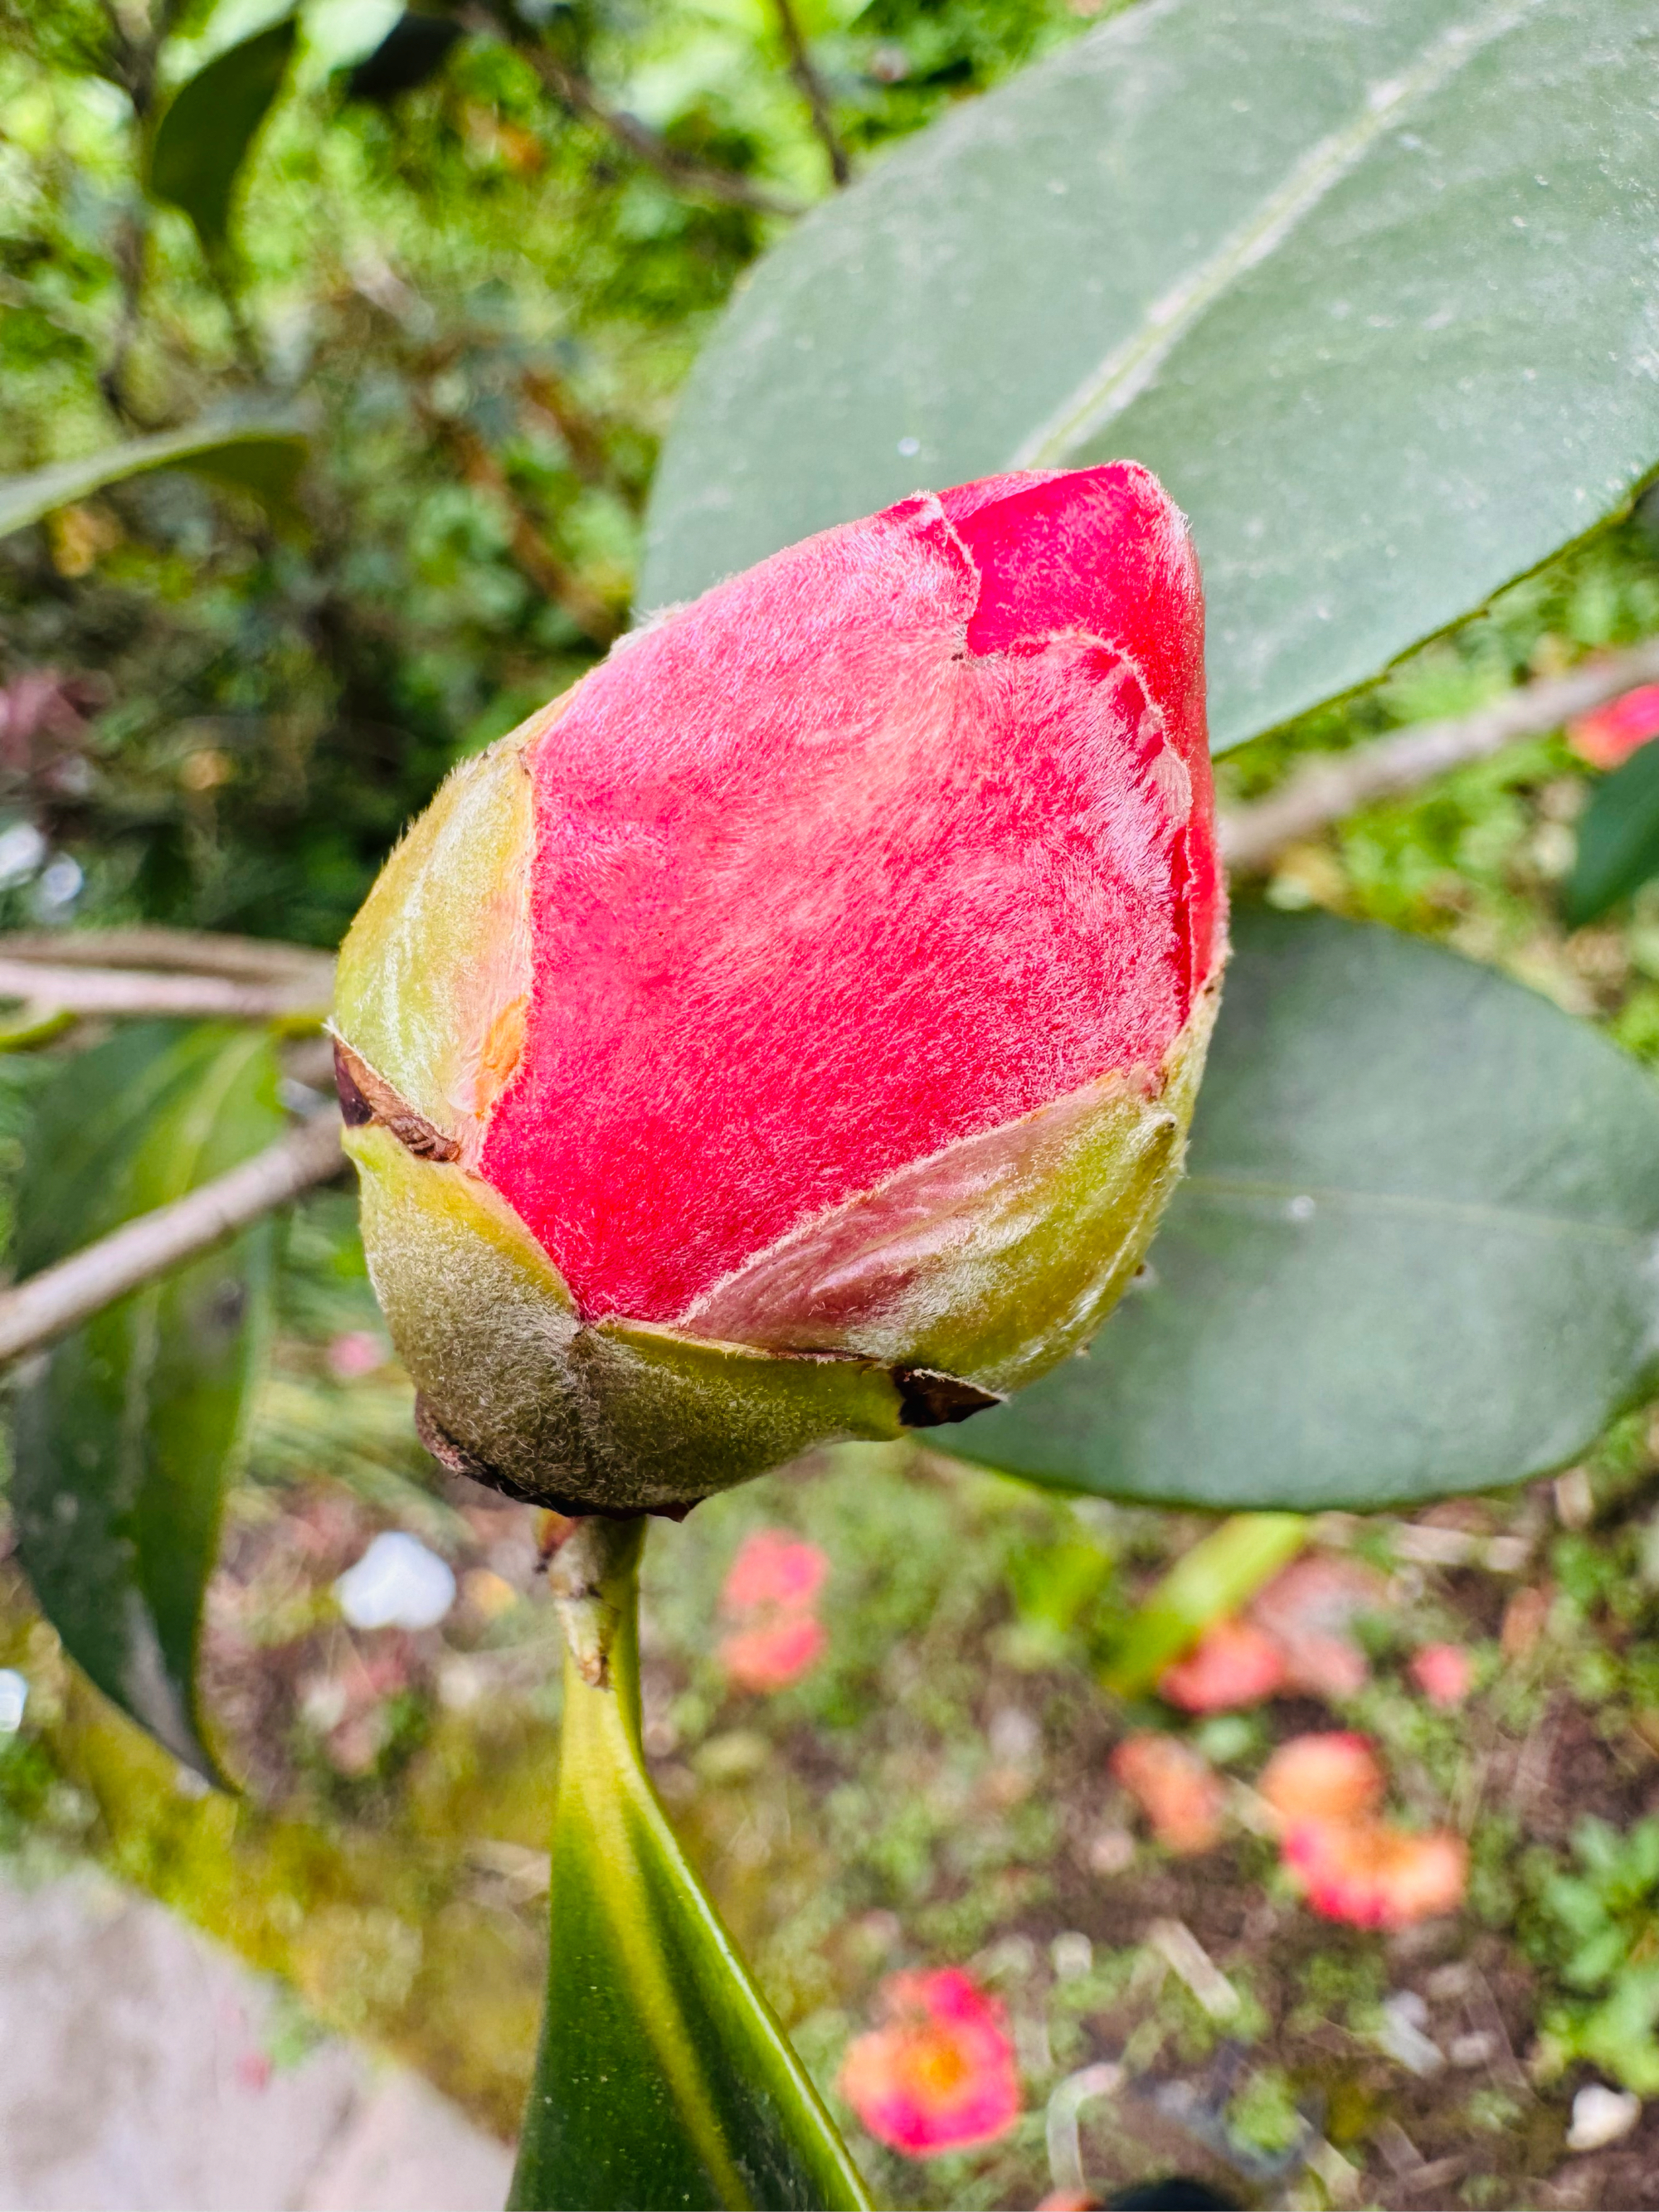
[940,2074]
[1180,1793]
[1235,1664]
[772,1656]
[773,1568]
[1612,733]
[1331,1777]
[1444,1672]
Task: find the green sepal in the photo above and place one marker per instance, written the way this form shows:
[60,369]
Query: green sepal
[663,2077]
[620,1415]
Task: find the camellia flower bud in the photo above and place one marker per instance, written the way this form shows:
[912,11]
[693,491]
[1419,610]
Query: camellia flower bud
[792,1032]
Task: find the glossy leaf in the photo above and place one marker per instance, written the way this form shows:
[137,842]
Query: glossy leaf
[1370,287]
[1417,1252]
[127,1430]
[1618,840]
[203,138]
[662,2077]
[261,457]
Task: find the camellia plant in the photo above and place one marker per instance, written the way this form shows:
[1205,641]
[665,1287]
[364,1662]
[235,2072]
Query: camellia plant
[793,1032]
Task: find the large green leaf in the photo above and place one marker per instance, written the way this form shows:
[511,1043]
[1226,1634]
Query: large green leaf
[1417,1252]
[1371,288]
[261,457]
[1618,840]
[203,138]
[662,2077]
[127,1430]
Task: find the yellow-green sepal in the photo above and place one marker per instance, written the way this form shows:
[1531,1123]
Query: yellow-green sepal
[617,1416]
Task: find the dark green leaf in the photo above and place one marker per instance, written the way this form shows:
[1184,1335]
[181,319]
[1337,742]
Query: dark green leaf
[412,53]
[203,136]
[1370,287]
[1618,840]
[127,1430]
[261,457]
[662,2077]
[1417,1253]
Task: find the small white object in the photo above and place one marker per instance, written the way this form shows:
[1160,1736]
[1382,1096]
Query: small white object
[1403,2035]
[13,1699]
[1600,2116]
[60,885]
[1072,1955]
[397,1584]
[22,849]
[910,448]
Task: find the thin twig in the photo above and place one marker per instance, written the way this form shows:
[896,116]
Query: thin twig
[185,951]
[1253,837]
[61,1297]
[531,553]
[575,91]
[131,991]
[813,90]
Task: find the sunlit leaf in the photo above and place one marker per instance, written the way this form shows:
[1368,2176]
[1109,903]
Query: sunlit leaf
[264,457]
[662,2077]
[1618,840]
[1417,1252]
[203,138]
[127,1430]
[1370,287]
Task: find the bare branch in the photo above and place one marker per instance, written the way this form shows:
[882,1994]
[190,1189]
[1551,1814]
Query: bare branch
[813,90]
[59,1298]
[533,556]
[1253,837]
[576,93]
[129,991]
[188,952]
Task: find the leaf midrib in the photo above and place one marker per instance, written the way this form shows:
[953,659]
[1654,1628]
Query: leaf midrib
[1133,363]
[1471,1213]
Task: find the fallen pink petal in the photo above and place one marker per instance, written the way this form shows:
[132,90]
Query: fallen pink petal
[773,1568]
[1330,1777]
[1309,1611]
[775,1654]
[1610,734]
[1235,1664]
[358,1351]
[1178,1790]
[1373,1875]
[1444,1672]
[939,2073]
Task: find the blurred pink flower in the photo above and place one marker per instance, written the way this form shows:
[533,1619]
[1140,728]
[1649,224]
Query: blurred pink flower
[1235,1663]
[1373,1875]
[773,1568]
[1179,1792]
[1331,1777]
[775,1654]
[1610,734]
[1308,1610]
[359,1351]
[1444,1672]
[939,2073]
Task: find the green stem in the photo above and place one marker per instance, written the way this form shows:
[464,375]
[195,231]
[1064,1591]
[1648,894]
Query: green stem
[1218,1575]
[663,2077]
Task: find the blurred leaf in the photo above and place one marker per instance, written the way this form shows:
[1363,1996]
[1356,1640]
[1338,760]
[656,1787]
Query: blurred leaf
[205,131]
[1221,1573]
[264,457]
[662,2076]
[1618,840]
[128,1430]
[412,53]
[1417,1252]
[1364,286]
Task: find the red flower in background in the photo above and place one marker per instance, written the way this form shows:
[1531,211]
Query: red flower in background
[1610,734]
[1351,1864]
[1444,1672]
[939,2075]
[1179,1791]
[770,1589]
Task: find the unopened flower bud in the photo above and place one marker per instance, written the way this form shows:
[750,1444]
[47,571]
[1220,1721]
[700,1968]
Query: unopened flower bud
[792,1032]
